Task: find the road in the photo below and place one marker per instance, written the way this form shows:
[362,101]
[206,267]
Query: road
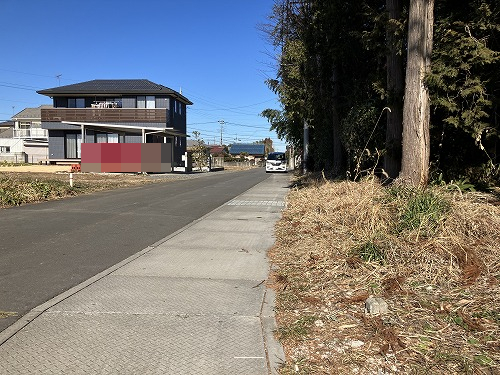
[50,247]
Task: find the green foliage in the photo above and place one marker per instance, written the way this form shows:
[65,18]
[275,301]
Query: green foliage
[464,79]
[332,72]
[369,252]
[357,126]
[319,66]
[360,134]
[462,185]
[420,211]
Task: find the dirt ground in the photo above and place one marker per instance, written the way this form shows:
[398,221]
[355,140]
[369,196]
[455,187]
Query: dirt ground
[37,168]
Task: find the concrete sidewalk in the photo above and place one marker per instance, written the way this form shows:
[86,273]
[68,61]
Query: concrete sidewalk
[192,303]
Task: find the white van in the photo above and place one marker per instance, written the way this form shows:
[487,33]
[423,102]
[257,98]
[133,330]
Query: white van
[276,162]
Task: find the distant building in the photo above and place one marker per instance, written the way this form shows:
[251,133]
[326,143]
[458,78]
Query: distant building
[6,139]
[217,150]
[250,150]
[23,140]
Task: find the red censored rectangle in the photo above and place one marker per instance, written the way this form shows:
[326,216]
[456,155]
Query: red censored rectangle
[111,152]
[91,152]
[131,152]
[126,157]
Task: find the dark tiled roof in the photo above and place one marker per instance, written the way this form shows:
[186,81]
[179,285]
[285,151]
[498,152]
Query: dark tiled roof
[115,87]
[250,149]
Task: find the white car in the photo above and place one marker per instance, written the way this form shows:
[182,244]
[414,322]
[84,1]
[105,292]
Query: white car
[276,162]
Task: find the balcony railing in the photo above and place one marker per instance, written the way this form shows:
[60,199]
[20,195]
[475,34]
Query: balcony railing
[31,133]
[105,115]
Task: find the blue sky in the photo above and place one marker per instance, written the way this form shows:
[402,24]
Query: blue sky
[212,50]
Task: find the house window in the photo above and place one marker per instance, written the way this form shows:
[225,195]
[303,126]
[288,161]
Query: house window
[76,103]
[150,102]
[4,149]
[101,138]
[106,138]
[73,145]
[161,102]
[178,107]
[146,102]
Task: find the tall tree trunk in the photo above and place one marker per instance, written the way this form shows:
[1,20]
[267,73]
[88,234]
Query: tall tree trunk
[416,108]
[395,89]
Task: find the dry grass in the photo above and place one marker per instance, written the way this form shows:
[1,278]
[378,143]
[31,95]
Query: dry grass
[17,188]
[338,243]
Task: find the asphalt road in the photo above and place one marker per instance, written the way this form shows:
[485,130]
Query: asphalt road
[48,248]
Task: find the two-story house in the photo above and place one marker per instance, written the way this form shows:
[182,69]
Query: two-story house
[114,111]
[28,128]
[24,140]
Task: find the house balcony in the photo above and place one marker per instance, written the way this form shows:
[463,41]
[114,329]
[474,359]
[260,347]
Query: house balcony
[106,115]
[31,133]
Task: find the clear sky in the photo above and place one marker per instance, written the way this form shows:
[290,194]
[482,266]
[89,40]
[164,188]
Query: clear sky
[211,50]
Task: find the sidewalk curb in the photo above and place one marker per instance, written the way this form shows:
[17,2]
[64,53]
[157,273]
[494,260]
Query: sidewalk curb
[274,350]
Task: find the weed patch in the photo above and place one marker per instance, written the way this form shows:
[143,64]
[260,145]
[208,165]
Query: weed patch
[423,212]
[369,252]
[23,188]
[433,256]
[298,329]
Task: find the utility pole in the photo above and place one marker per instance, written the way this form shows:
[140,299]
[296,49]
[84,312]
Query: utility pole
[58,76]
[221,122]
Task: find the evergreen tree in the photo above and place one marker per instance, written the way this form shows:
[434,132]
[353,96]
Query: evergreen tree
[465,89]
[340,63]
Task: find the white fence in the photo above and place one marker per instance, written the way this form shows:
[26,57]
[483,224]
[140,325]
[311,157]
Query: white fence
[14,157]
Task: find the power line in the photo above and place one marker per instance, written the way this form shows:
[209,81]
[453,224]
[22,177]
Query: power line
[249,126]
[21,85]
[17,87]
[34,74]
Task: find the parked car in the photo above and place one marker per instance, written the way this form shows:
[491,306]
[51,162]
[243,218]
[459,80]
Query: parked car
[276,162]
